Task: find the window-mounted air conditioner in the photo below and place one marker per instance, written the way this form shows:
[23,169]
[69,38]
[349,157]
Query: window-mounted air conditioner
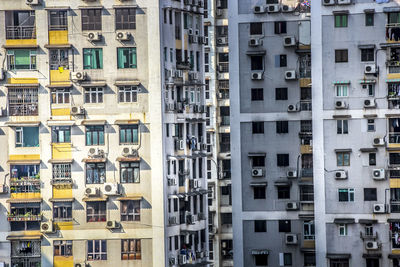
[292,206]
[378,141]
[291,174]
[47,227]
[378,174]
[259,9]
[291,239]
[77,110]
[112,224]
[290,75]
[78,75]
[94,36]
[122,36]
[289,41]
[90,191]
[370,68]
[274,8]
[371,245]
[254,42]
[369,103]
[340,104]
[110,189]
[328,2]
[257,172]
[379,208]
[293,108]
[257,75]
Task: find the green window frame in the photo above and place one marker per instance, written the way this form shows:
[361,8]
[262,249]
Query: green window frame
[127,58]
[341,20]
[128,134]
[92,58]
[21,59]
[343,158]
[61,134]
[26,136]
[94,135]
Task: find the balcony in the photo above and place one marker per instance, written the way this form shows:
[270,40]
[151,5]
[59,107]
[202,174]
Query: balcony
[392,32]
[183,65]
[305,105]
[62,182]
[24,217]
[393,66]
[24,185]
[223,67]
[395,206]
[20,32]
[307,172]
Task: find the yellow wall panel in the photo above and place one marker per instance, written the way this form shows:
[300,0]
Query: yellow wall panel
[309,243]
[22,80]
[393,76]
[25,157]
[394,183]
[305,82]
[25,195]
[62,151]
[60,76]
[21,42]
[58,37]
[65,225]
[395,251]
[60,111]
[394,146]
[61,261]
[305,149]
[178,43]
[62,192]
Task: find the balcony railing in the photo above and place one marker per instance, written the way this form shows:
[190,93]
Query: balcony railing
[395,206]
[393,32]
[305,72]
[24,109]
[394,138]
[58,27]
[20,32]
[24,218]
[307,172]
[61,181]
[182,65]
[393,66]
[223,67]
[225,120]
[24,181]
[305,105]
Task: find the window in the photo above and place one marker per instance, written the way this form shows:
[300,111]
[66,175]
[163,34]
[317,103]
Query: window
[372,159]
[96,250]
[258,161]
[309,259]
[367,55]
[127,94]
[62,211]
[370,194]
[282,127]
[128,134]
[342,90]
[61,171]
[343,229]
[60,96]
[257,94]
[96,211]
[343,158]
[261,259]
[259,192]
[131,249]
[130,172]
[285,226]
[58,59]
[257,63]
[127,58]
[282,160]
[20,24]
[370,87]
[281,94]
[21,59]
[23,101]
[260,226]
[339,263]
[256,28]
[125,18]
[226,218]
[95,173]
[341,55]
[286,258]
[92,58]
[62,247]
[58,20]
[94,135]
[282,61]
[369,19]
[346,194]
[342,126]
[372,262]
[223,4]
[340,20]
[61,134]
[26,136]
[283,192]
[371,125]
[130,210]
[258,127]
[309,230]
[91,19]
[369,230]
[280,27]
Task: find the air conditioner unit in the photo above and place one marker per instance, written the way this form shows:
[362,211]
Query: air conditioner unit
[75,110]
[78,76]
[371,245]
[112,224]
[222,40]
[369,103]
[328,2]
[110,189]
[32,2]
[257,75]
[182,259]
[80,264]
[122,36]
[286,8]
[370,68]
[259,9]
[126,151]
[289,41]
[171,181]
[254,42]
[340,104]
[341,174]
[172,261]
[90,191]
[291,239]
[94,36]
[290,75]
[292,206]
[291,174]
[293,108]
[92,152]
[379,141]
[190,31]
[273,8]
[344,2]
[379,208]
[378,174]
[257,172]
[47,227]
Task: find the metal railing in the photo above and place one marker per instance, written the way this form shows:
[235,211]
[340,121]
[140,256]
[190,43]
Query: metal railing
[225,120]
[223,67]
[307,172]
[394,137]
[305,105]
[20,32]
[24,109]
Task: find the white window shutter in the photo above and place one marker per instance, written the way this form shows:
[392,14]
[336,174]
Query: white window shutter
[281,259]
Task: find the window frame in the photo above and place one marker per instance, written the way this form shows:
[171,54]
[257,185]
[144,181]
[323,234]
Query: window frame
[20,139]
[125,21]
[258,127]
[131,215]
[62,211]
[343,231]
[64,248]
[56,136]
[96,211]
[89,133]
[257,94]
[128,94]
[341,55]
[60,96]
[341,90]
[132,168]
[131,58]
[91,19]
[95,58]
[102,253]
[348,194]
[94,171]
[341,20]
[342,126]
[11,59]
[342,158]
[136,253]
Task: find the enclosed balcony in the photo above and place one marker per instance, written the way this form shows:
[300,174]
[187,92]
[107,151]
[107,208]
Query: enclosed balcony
[24,181]
[23,101]
[24,216]
[394,131]
[20,25]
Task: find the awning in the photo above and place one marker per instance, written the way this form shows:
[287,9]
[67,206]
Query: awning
[128,159]
[391,9]
[366,81]
[392,80]
[259,252]
[57,46]
[366,46]
[372,255]
[304,249]
[204,191]
[283,183]
[22,85]
[24,237]
[339,150]
[24,200]
[256,53]
[393,220]
[125,6]
[340,12]
[56,7]
[385,45]
[130,197]
[62,199]
[368,149]
[90,7]
[22,46]
[59,85]
[341,82]
[258,184]
[92,199]
[94,160]
[367,221]
[257,154]
[338,256]
[93,122]
[306,216]
[23,123]
[394,256]
[24,161]
[193,193]
[341,116]
[124,122]
[60,123]
[56,161]
[370,115]
[344,220]
[94,84]
[122,83]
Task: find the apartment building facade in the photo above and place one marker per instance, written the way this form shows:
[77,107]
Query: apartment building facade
[272,160]
[218,133]
[103,131]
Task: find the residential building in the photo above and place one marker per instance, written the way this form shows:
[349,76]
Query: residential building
[102,132]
